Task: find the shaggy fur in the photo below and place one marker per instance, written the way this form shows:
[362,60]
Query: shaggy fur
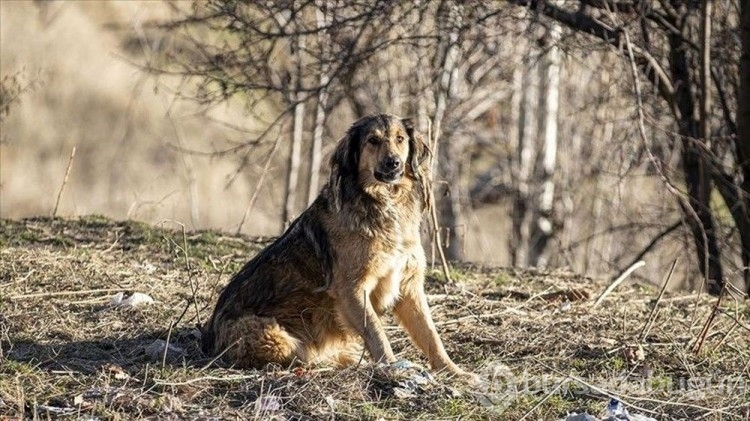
[320,289]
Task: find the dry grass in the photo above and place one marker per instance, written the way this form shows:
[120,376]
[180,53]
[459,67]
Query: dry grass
[64,348]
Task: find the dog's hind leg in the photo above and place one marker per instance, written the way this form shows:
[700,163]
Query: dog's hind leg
[349,354]
[254,341]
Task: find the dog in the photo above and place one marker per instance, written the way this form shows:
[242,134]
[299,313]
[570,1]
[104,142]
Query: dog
[320,289]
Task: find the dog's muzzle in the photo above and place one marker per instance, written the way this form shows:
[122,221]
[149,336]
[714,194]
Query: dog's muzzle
[390,170]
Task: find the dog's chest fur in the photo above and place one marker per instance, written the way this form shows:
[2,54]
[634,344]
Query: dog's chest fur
[391,230]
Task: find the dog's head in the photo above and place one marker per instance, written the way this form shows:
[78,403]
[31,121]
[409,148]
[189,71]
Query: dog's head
[377,150]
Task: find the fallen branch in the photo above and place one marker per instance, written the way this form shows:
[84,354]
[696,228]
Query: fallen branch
[617,282]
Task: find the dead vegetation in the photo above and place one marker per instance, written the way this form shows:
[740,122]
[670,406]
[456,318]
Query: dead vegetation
[541,348]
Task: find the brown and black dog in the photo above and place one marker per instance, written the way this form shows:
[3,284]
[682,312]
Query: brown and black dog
[351,256]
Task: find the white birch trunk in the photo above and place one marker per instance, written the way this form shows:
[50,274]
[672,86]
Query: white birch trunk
[543,229]
[526,154]
[296,146]
[316,152]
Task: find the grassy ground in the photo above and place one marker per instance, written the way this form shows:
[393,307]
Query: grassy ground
[541,347]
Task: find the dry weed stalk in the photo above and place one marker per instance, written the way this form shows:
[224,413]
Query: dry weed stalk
[651,318]
[65,181]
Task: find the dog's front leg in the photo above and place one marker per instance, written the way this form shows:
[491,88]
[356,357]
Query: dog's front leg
[358,313]
[413,313]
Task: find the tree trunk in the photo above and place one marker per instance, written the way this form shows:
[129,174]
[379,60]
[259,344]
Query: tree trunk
[542,228]
[448,154]
[698,210]
[296,144]
[742,142]
[316,151]
[526,153]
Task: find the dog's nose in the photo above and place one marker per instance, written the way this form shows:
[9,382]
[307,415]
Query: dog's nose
[392,162]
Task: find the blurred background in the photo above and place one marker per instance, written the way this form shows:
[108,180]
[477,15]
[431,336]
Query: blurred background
[587,135]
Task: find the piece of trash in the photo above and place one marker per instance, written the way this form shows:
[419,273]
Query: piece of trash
[564,307]
[268,404]
[133,300]
[617,411]
[107,393]
[580,417]
[403,393]
[156,350]
[56,409]
[402,365]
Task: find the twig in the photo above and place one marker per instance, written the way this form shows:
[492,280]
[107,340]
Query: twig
[736,321]
[259,184]
[603,391]
[617,282]
[672,299]
[651,317]
[492,315]
[709,321]
[63,293]
[193,286]
[230,378]
[65,181]
[166,346]
[654,241]
[221,354]
[544,399]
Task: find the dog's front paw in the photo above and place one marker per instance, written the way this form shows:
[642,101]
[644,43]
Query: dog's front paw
[468,377]
[456,372]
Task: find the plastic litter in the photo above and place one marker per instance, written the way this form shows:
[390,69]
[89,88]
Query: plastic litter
[615,411]
[134,300]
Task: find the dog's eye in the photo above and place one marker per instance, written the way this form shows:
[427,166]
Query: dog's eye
[373,140]
[400,138]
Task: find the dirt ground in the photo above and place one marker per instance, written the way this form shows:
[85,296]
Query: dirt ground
[541,347]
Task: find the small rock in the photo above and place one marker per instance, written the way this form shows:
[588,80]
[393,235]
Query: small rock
[155,351]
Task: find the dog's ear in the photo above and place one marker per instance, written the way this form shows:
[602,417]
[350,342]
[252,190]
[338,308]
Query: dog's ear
[344,167]
[418,149]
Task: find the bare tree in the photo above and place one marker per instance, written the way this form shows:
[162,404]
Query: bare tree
[542,228]
[664,53]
